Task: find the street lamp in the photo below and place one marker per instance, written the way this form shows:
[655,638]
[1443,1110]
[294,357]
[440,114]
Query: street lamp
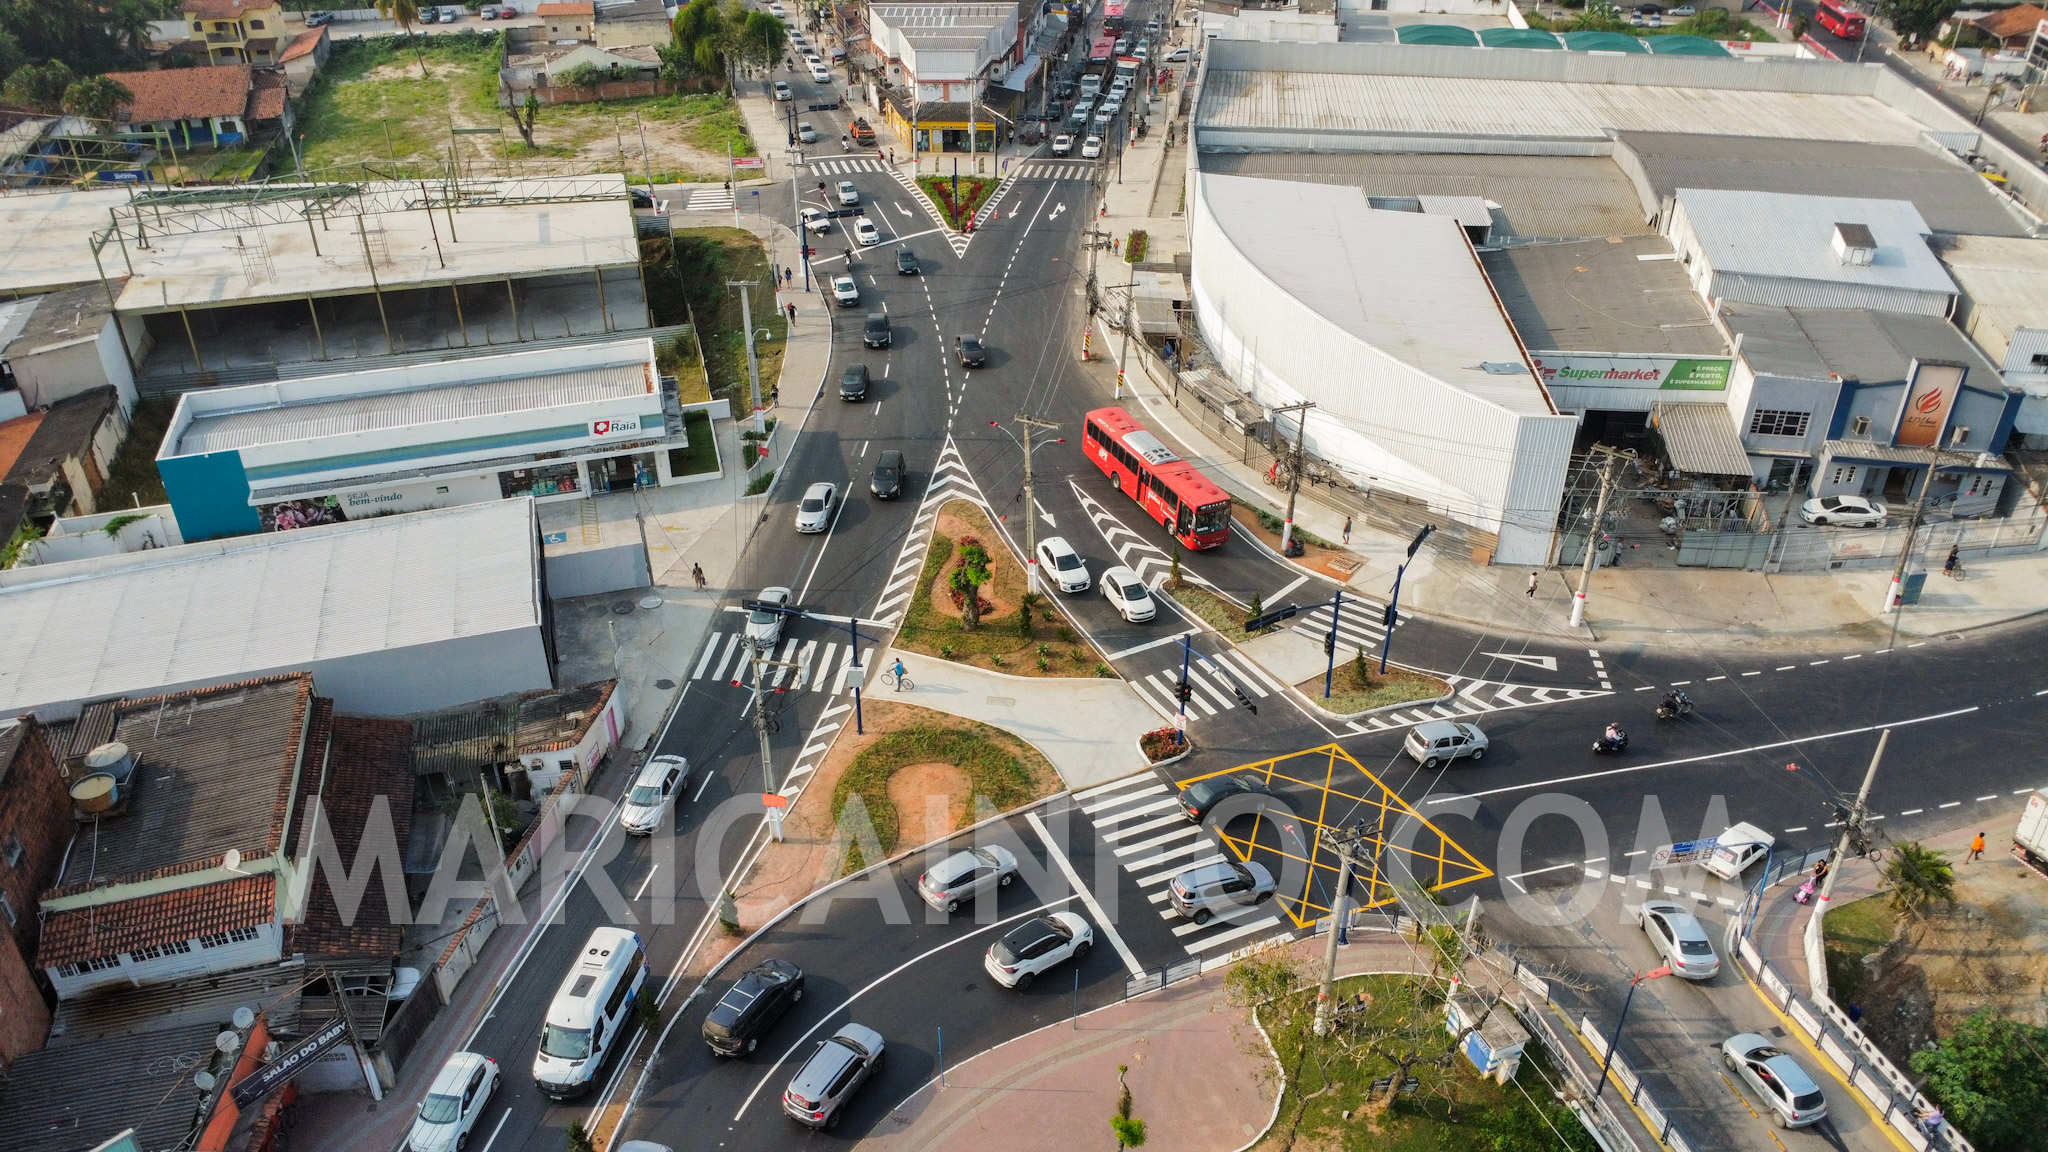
[1614,1040]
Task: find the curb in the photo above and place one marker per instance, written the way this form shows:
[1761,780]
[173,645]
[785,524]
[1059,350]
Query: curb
[1186,751]
[1349,716]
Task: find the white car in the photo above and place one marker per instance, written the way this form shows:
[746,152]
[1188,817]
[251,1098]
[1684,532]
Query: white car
[864,231]
[1063,565]
[782,91]
[1177,56]
[814,511]
[1062,144]
[1736,849]
[1677,935]
[1126,593]
[1849,511]
[454,1102]
[848,194]
[816,221]
[776,7]
[1036,945]
[1683,11]
[805,134]
[819,75]
[845,291]
[653,794]
[1091,148]
[764,628]
[1113,107]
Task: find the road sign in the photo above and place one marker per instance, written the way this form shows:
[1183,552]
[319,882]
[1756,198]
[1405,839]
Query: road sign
[1684,852]
[1260,623]
[746,162]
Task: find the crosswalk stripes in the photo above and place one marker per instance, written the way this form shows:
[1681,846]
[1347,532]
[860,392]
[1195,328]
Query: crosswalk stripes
[950,481]
[821,663]
[1359,625]
[1473,698]
[710,199]
[1132,550]
[1057,170]
[1212,689]
[815,747]
[1140,818]
[841,167]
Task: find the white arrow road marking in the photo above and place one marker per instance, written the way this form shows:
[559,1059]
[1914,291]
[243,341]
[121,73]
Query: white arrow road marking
[1547,663]
[1044,515]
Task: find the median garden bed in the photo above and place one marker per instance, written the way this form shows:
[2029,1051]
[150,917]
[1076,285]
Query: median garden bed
[1357,685]
[957,198]
[1007,634]
[975,768]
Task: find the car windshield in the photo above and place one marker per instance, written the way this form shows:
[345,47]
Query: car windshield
[1067,562]
[1133,591]
[441,1109]
[970,345]
[1211,518]
[761,616]
[812,504]
[1695,948]
[565,1043]
[644,794]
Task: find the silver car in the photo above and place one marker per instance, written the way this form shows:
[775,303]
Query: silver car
[1794,1099]
[764,628]
[1678,935]
[653,794]
[966,875]
[818,1093]
[1437,742]
[1200,894]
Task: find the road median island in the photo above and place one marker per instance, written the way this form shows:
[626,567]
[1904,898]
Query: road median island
[1356,688]
[1012,633]
[957,208]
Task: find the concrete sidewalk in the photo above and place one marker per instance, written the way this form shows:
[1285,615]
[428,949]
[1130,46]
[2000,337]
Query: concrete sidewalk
[1088,727]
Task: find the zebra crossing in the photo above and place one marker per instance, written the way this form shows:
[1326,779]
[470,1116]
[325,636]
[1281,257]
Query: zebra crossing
[950,481]
[1133,551]
[1056,170]
[1212,687]
[1140,819]
[1472,698]
[846,165]
[710,198]
[820,664]
[1360,624]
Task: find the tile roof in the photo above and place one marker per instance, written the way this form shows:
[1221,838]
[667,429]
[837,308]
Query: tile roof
[368,759]
[65,432]
[584,8]
[168,917]
[214,771]
[2011,22]
[550,721]
[266,96]
[14,436]
[125,1013]
[184,93]
[303,44]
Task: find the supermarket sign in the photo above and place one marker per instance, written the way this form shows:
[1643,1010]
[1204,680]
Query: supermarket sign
[1662,373]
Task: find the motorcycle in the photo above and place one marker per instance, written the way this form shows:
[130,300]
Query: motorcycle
[1668,708]
[1605,747]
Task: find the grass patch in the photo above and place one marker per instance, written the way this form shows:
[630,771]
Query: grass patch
[700,455]
[677,357]
[372,106]
[958,209]
[1855,930]
[1215,611]
[1050,648]
[1357,685]
[760,483]
[1273,524]
[989,759]
[705,259]
[134,481]
[1329,1101]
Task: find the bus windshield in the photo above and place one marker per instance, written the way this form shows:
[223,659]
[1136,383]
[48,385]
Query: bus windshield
[566,1043]
[1212,518]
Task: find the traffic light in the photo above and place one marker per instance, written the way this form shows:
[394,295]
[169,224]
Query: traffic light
[1184,691]
[1391,617]
[1330,642]
[1244,700]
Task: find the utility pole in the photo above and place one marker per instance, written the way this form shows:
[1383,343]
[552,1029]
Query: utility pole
[1130,321]
[753,362]
[1852,825]
[1613,458]
[1349,845]
[1893,591]
[761,664]
[1294,469]
[1030,502]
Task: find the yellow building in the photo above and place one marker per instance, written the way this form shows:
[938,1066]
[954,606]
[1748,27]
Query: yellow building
[237,31]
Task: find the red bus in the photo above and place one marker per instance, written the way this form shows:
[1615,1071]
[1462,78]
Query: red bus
[1103,48]
[1172,491]
[1841,19]
[1113,17]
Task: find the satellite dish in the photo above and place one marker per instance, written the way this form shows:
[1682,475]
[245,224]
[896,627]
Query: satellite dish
[227,1042]
[204,1080]
[244,1016]
[232,861]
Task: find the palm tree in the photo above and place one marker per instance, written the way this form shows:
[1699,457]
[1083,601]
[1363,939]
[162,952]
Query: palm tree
[404,13]
[1919,876]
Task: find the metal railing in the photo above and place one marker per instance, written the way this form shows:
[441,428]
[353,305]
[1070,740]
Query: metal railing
[1153,979]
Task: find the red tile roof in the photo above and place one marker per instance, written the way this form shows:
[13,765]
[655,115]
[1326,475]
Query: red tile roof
[222,9]
[2012,22]
[266,97]
[303,43]
[584,8]
[185,93]
[367,759]
[14,436]
[166,918]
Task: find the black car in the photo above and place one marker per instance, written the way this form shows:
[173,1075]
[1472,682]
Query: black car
[853,383]
[887,482]
[1198,798]
[752,1006]
[906,262]
[972,354]
[876,334]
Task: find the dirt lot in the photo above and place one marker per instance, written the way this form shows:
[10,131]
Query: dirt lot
[1991,950]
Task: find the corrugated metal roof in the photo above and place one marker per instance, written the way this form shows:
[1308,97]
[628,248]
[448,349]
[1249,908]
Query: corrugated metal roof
[69,1099]
[2005,288]
[286,422]
[225,608]
[1854,343]
[1599,296]
[1403,282]
[1701,438]
[1781,237]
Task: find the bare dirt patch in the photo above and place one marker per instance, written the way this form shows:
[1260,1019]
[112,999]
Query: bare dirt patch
[931,800]
[409,70]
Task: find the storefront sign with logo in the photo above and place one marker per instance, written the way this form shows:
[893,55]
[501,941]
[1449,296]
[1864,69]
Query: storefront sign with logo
[1671,373]
[616,426]
[1931,389]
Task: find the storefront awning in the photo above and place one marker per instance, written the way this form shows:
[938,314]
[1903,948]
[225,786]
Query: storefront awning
[1871,452]
[1021,75]
[1700,438]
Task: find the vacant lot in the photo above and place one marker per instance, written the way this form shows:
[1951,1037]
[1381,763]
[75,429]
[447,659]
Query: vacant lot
[402,105]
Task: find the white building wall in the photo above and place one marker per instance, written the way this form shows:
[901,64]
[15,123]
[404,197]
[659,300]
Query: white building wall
[1391,424]
[266,948]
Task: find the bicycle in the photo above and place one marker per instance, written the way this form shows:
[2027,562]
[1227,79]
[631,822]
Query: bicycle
[900,684]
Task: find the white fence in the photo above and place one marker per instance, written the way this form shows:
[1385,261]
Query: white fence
[1806,548]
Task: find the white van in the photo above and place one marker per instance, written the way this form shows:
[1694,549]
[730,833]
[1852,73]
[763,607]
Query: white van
[591,1009]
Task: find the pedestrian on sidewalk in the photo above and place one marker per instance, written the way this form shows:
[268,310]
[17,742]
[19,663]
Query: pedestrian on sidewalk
[1347,530]
[697,575]
[1533,578]
[1976,848]
[791,309]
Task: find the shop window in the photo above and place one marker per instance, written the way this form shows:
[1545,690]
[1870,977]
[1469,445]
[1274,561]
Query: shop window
[1777,422]
[543,480]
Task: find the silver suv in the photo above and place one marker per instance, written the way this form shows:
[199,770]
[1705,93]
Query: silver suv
[1438,742]
[1793,1098]
[1221,888]
[966,875]
[818,1093]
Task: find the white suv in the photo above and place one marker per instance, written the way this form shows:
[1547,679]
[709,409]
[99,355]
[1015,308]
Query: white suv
[457,1097]
[1036,945]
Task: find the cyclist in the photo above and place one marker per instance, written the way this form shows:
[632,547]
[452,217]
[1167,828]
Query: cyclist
[896,670]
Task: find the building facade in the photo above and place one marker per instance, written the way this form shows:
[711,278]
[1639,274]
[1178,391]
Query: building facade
[235,31]
[35,824]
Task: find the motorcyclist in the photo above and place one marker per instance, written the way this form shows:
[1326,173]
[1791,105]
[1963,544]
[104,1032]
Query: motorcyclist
[1614,736]
[1677,703]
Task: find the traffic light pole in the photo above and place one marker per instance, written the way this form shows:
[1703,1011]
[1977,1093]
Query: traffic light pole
[1293,470]
[1330,641]
[1184,690]
[1393,615]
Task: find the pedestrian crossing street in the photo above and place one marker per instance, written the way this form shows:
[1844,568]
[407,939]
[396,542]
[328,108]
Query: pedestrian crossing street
[821,664]
[845,165]
[1140,819]
[711,198]
[1055,170]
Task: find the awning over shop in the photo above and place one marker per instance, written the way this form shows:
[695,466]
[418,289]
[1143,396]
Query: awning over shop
[1021,75]
[1871,452]
[1700,438]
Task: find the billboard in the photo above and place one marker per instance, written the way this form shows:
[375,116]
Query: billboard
[1663,373]
[1931,388]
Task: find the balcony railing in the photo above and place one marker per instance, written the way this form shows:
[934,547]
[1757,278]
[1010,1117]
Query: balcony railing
[222,38]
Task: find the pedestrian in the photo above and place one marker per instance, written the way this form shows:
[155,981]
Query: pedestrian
[788,275]
[1532,585]
[792,313]
[1855,1013]
[697,574]
[1976,848]
[1347,529]
[1930,1122]
[1820,870]
[1948,566]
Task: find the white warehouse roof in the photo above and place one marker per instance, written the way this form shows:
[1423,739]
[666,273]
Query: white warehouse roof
[229,609]
[1404,283]
[1773,248]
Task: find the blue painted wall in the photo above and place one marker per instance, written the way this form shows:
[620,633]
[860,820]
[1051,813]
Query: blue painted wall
[210,494]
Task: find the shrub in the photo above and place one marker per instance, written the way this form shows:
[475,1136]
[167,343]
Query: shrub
[1161,743]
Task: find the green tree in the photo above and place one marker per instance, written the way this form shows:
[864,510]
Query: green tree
[698,48]
[1918,877]
[968,580]
[581,76]
[96,98]
[39,86]
[758,38]
[579,1140]
[1914,19]
[405,13]
[523,116]
[1025,604]
[1991,1079]
[1130,1131]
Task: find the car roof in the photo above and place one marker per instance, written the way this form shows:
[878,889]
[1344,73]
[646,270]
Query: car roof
[778,594]
[1120,572]
[454,1075]
[1744,833]
[1056,544]
[1433,729]
[654,770]
[890,455]
[818,489]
